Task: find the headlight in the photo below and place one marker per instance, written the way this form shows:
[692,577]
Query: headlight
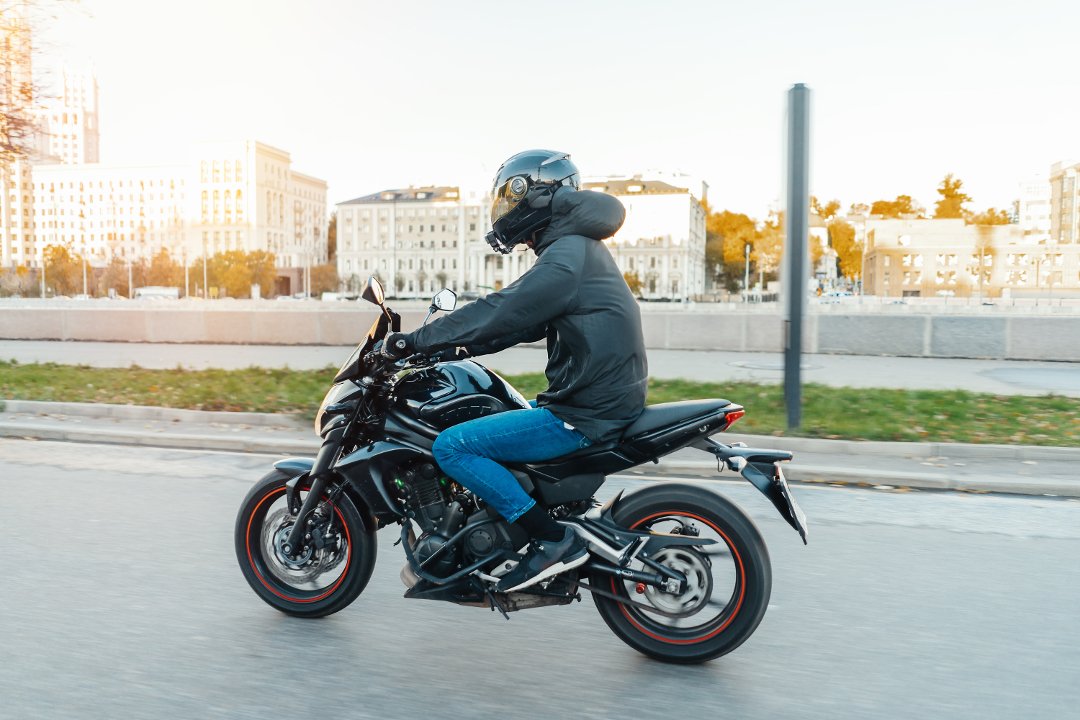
[337,393]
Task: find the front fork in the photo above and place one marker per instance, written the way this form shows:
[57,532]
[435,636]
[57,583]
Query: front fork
[320,478]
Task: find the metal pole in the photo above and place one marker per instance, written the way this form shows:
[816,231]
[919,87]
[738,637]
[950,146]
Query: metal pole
[798,222]
[746,276]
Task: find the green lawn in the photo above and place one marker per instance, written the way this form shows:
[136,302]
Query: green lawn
[911,415]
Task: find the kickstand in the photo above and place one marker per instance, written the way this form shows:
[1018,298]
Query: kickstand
[496,605]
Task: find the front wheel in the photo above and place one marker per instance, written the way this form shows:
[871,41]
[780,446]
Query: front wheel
[325,575]
[728,583]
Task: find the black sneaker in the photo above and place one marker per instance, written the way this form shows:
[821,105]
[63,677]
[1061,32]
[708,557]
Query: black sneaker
[545,558]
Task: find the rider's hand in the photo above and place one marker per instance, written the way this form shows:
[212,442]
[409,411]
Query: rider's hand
[396,346]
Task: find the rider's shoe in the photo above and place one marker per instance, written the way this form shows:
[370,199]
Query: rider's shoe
[545,559]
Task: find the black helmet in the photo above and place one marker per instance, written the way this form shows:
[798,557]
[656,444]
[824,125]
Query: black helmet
[521,196]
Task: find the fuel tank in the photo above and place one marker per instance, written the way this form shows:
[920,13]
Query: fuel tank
[453,392]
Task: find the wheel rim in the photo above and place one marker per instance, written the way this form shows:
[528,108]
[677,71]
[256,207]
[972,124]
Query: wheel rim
[310,576]
[716,583]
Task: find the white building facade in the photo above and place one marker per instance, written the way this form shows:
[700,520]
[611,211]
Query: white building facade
[68,128]
[662,240]
[924,258]
[1064,203]
[1033,209]
[416,240]
[227,196]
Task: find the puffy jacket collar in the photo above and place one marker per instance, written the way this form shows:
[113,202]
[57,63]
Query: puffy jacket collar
[591,214]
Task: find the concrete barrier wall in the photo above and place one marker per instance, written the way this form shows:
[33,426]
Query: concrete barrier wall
[978,336]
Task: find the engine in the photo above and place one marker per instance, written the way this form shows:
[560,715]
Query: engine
[442,508]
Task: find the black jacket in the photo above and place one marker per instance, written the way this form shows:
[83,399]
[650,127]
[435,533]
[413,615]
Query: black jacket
[576,297]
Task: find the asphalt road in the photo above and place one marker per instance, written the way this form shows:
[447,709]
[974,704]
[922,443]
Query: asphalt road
[121,598]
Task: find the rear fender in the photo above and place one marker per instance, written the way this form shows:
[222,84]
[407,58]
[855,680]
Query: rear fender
[761,468]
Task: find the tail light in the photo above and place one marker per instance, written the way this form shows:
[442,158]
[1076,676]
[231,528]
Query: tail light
[732,416]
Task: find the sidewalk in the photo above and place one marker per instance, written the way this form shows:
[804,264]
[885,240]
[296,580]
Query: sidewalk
[1026,470]
[1003,377]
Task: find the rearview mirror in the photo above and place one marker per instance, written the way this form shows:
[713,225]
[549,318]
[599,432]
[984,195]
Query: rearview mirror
[373,293]
[445,300]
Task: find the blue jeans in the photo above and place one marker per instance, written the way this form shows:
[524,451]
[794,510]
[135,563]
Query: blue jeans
[470,453]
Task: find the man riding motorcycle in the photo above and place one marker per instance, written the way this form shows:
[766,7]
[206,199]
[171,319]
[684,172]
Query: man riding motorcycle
[575,297]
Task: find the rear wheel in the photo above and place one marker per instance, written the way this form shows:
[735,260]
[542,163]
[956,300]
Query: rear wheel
[327,574]
[728,582]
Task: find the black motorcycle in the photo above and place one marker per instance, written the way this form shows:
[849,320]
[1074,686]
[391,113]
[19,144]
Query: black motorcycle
[677,571]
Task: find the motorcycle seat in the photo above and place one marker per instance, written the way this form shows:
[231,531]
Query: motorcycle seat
[655,417]
[652,418]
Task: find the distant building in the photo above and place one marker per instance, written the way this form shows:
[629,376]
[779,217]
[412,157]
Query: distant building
[16,98]
[662,240]
[227,196]
[1033,209]
[1064,203]
[416,240]
[67,122]
[924,258]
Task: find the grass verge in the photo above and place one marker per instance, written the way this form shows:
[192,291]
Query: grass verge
[858,414]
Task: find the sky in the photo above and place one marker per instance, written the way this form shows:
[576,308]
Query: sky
[371,95]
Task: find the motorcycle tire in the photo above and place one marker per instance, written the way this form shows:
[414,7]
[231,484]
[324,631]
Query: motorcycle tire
[275,579]
[745,553]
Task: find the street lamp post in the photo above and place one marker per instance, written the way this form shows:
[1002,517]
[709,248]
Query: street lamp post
[746,275]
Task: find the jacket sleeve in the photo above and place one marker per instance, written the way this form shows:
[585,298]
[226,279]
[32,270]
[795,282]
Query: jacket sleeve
[503,318]
[533,334]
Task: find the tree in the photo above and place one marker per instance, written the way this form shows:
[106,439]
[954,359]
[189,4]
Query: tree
[827,211]
[633,282]
[992,216]
[726,236]
[331,237]
[18,281]
[769,248]
[17,92]
[261,265]
[237,280]
[849,253]
[951,204]
[324,278]
[163,271]
[902,205]
[115,278]
[237,271]
[63,270]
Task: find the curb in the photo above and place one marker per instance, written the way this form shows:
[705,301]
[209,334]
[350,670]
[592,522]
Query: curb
[861,477]
[799,473]
[146,412]
[187,441]
[792,444]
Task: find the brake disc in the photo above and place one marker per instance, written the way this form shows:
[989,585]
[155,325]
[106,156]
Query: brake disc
[699,582]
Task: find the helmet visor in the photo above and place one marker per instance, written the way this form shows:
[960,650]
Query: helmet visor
[507,197]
